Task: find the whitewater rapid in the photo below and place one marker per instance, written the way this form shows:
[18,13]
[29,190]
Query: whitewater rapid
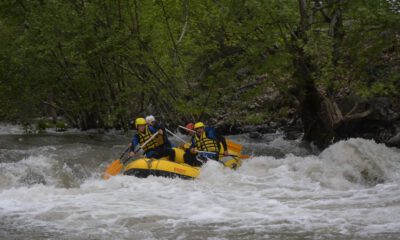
[55,191]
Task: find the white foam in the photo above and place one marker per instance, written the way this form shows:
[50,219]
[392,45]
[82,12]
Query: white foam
[265,196]
[13,129]
[6,128]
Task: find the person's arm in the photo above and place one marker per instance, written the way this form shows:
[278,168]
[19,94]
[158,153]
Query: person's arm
[192,148]
[154,129]
[159,128]
[222,140]
[167,142]
[134,144]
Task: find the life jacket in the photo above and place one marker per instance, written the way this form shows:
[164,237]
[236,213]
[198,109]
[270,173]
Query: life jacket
[155,142]
[206,144]
[160,139]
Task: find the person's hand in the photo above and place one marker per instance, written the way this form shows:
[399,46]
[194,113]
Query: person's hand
[131,154]
[160,131]
[226,153]
[193,150]
[130,145]
[182,146]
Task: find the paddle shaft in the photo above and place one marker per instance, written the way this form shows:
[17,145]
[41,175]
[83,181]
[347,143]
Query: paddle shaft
[173,134]
[148,140]
[144,144]
[187,129]
[229,155]
[123,154]
[206,152]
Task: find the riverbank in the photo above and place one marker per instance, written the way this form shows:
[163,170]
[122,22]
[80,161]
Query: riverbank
[348,117]
[381,124]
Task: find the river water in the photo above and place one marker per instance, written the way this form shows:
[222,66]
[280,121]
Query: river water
[51,188]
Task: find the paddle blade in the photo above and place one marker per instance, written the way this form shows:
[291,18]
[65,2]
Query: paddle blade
[113,169]
[234,147]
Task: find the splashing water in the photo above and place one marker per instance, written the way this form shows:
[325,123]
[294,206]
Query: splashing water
[349,191]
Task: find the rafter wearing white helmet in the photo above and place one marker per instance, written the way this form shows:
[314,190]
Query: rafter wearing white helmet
[150,119]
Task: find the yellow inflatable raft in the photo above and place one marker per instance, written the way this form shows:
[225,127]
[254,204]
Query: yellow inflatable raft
[145,167]
[163,167]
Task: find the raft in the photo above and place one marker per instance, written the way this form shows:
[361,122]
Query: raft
[163,167]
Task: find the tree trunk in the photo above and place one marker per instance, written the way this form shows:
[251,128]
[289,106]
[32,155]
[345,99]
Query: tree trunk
[316,111]
[320,115]
[50,107]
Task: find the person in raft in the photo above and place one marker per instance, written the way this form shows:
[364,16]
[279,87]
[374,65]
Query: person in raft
[205,145]
[151,122]
[190,126]
[156,148]
[189,131]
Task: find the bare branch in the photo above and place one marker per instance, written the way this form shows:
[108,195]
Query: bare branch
[186,5]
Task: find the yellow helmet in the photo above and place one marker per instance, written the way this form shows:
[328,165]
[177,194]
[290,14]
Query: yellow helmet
[198,125]
[140,121]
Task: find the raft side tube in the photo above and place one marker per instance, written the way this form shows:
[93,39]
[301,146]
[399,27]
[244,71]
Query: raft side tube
[144,167]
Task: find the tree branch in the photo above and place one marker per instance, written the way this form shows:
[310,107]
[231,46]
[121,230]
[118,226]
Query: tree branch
[186,5]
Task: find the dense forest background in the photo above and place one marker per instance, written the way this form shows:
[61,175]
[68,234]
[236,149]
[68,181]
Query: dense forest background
[100,63]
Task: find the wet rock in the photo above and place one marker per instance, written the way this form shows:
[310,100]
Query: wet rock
[371,178]
[273,125]
[292,135]
[262,129]
[32,178]
[379,125]
[394,141]
[255,135]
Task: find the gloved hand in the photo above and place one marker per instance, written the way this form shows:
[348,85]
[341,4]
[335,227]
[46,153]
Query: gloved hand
[193,150]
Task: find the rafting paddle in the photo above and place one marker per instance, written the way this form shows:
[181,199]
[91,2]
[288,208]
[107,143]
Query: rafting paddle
[173,134]
[115,167]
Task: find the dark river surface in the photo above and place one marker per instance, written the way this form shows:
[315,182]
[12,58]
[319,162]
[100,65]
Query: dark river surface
[51,188]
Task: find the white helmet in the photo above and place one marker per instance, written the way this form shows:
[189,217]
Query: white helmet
[150,119]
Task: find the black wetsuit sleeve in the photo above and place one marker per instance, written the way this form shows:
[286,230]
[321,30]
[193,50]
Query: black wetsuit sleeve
[222,140]
[213,134]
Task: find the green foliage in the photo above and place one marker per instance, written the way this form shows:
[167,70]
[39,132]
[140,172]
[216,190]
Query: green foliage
[101,63]
[61,126]
[41,126]
[255,118]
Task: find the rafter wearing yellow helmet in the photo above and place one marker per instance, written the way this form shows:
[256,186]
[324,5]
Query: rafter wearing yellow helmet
[140,121]
[199,125]
[206,139]
[155,148]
